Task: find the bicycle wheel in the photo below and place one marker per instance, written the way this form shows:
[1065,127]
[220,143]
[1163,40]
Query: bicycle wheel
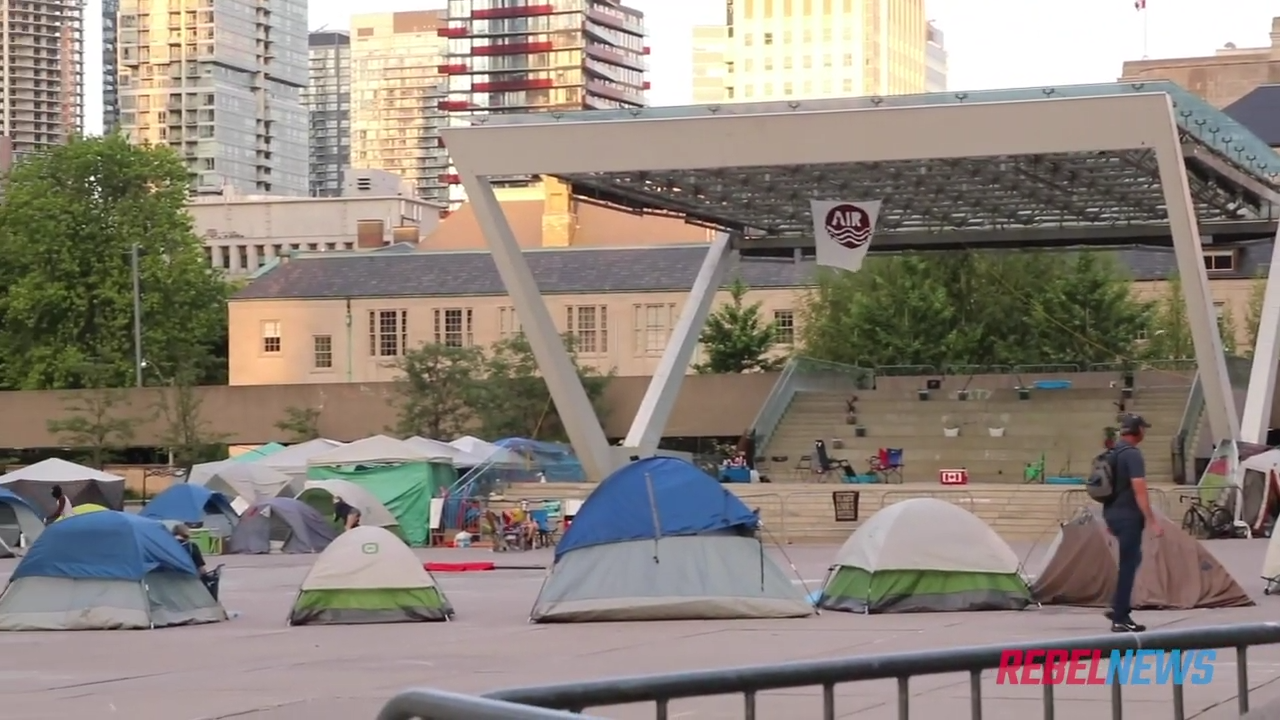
[1195,524]
[1221,523]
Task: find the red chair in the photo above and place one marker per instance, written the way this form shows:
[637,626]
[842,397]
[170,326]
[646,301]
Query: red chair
[887,464]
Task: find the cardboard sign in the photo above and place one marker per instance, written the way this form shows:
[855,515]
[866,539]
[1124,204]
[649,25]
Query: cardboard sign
[958,476]
[845,504]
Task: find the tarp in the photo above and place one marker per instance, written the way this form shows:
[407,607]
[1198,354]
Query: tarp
[293,523]
[293,459]
[488,452]
[554,461]
[378,449]
[260,452]
[652,498]
[368,575]
[437,449]
[79,483]
[1177,572]
[924,555]
[405,490]
[372,512]
[104,545]
[190,504]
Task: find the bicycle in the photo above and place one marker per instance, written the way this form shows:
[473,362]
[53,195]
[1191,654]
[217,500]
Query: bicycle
[1205,521]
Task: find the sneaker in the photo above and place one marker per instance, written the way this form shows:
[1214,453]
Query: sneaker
[1126,626]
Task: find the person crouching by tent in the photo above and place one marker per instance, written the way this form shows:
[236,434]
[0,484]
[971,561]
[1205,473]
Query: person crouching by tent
[345,514]
[183,535]
[62,507]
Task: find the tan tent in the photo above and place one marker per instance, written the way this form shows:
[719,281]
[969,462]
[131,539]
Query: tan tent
[1177,572]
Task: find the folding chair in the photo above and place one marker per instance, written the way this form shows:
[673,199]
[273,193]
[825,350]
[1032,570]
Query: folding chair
[546,536]
[802,469]
[826,463]
[888,464]
[1033,472]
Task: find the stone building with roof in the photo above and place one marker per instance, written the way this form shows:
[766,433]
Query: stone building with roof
[346,317]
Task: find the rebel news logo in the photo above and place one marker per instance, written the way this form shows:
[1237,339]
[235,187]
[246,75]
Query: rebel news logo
[1092,667]
[848,225]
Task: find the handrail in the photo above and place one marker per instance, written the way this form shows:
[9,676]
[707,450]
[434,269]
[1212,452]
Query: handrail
[1189,423]
[527,703]
[775,406]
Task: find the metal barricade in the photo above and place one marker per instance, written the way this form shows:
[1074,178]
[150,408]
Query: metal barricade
[905,370]
[1046,369]
[542,703]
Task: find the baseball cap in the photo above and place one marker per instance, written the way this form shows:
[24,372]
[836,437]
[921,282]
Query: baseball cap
[1130,423]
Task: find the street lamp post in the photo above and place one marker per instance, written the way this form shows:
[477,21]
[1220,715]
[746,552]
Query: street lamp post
[137,315]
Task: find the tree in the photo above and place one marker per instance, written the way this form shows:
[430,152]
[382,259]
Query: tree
[736,337]
[437,390]
[68,221]
[97,424]
[972,309]
[1253,316]
[302,423]
[1169,333]
[1228,330]
[185,433]
[514,401]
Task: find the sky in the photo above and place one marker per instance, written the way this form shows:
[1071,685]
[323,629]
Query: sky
[992,43]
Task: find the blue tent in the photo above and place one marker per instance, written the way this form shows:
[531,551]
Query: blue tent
[652,498]
[189,504]
[555,461]
[107,545]
[18,518]
[10,498]
[662,540]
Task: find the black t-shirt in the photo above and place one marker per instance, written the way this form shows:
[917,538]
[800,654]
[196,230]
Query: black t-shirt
[197,557]
[1129,464]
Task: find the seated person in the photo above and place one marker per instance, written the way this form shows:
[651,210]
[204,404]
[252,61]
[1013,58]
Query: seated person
[522,522]
[183,534]
[739,460]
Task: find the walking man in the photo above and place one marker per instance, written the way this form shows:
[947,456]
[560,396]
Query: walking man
[1128,514]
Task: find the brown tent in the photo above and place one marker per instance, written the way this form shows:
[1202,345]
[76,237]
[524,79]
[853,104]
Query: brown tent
[1177,572]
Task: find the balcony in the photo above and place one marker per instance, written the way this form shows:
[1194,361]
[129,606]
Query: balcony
[512,49]
[452,32]
[452,69]
[512,12]
[454,105]
[506,85]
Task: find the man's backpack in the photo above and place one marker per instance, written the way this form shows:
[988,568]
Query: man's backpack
[1101,484]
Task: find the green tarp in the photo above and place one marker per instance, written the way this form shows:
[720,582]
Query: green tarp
[405,490]
[858,590]
[259,452]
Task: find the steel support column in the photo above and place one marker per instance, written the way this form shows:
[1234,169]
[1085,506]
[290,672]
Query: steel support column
[664,387]
[572,403]
[1220,403]
[1266,355]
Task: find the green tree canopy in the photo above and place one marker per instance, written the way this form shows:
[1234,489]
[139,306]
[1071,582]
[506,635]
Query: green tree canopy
[975,309]
[437,390]
[1169,332]
[68,222]
[513,399]
[736,338]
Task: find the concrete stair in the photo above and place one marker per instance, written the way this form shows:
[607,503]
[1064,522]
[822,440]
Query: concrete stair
[1066,426]
[803,513]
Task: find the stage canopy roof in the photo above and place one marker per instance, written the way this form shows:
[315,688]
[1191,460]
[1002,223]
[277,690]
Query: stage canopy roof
[1105,197]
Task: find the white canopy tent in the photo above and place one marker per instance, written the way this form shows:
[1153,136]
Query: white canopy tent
[376,449]
[293,459]
[247,483]
[459,457]
[490,453]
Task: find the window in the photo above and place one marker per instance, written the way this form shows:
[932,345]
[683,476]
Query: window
[589,326]
[784,327]
[388,332]
[453,327]
[653,327]
[508,323]
[271,336]
[322,352]
[1220,260]
[768,38]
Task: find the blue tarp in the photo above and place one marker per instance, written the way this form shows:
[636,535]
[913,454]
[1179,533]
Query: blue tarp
[554,461]
[10,498]
[107,545]
[651,498]
[187,503]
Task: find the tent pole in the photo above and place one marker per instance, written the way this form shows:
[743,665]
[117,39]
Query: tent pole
[653,506]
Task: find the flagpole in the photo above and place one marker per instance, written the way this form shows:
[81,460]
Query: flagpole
[1146,26]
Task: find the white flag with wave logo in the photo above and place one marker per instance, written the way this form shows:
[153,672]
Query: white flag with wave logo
[842,231]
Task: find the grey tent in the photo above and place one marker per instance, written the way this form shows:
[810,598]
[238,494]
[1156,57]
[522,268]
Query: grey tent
[295,525]
[661,540]
[82,485]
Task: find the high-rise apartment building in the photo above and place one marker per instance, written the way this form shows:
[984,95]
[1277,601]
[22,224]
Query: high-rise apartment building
[396,95]
[41,73]
[110,67]
[780,49]
[935,66]
[556,55]
[710,80]
[230,103]
[328,101]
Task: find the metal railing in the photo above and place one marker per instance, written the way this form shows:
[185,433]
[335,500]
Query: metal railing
[561,702]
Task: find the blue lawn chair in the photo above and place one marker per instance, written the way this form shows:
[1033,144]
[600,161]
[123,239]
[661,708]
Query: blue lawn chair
[546,531]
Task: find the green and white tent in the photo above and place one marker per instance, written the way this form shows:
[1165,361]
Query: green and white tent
[368,575]
[924,555]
